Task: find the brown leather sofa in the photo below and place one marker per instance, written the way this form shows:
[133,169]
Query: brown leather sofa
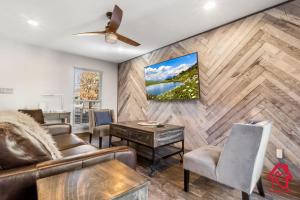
[20,183]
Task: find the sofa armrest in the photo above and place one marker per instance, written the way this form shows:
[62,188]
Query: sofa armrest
[18,183]
[58,128]
[52,167]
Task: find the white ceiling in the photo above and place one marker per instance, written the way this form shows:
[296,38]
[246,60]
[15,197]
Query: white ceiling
[152,23]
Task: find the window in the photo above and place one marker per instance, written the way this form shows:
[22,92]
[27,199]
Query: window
[87,94]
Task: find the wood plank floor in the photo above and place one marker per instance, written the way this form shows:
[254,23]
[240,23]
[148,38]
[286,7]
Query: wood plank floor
[167,184]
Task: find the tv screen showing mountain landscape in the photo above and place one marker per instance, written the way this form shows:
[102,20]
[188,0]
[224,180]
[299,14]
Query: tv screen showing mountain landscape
[175,79]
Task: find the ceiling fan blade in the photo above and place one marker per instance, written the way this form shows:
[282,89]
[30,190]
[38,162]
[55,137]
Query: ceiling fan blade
[91,33]
[116,19]
[127,40]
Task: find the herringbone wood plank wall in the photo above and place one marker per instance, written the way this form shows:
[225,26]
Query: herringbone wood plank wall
[249,69]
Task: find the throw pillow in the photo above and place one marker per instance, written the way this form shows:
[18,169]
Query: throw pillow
[102,118]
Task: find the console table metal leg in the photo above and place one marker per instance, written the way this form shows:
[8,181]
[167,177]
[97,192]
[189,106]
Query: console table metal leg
[152,167]
[182,149]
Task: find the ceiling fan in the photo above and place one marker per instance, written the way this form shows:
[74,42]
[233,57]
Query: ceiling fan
[111,35]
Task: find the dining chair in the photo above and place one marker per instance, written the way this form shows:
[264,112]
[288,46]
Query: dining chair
[240,163]
[99,123]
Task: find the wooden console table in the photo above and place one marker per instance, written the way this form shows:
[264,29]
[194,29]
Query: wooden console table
[64,117]
[108,180]
[158,139]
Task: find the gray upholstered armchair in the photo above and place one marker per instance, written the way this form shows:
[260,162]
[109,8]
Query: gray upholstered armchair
[99,121]
[239,165]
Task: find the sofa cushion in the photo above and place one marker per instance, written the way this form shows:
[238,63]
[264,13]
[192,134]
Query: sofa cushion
[78,150]
[102,118]
[203,161]
[36,114]
[17,150]
[102,130]
[67,141]
[58,129]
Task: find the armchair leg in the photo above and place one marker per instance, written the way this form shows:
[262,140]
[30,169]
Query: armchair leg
[110,140]
[260,187]
[100,142]
[186,180]
[245,196]
[91,135]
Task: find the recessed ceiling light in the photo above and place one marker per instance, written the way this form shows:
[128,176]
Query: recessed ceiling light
[32,22]
[209,5]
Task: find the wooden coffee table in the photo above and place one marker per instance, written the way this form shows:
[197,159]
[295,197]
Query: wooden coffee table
[151,142]
[108,180]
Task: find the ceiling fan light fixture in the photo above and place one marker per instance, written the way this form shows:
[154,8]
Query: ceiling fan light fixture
[111,38]
[110,32]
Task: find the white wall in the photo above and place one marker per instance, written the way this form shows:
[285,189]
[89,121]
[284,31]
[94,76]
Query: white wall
[32,71]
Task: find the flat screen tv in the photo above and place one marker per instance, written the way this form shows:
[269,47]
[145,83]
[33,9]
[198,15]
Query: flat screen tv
[174,79]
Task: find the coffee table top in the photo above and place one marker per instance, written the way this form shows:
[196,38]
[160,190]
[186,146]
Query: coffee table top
[107,180]
[153,129]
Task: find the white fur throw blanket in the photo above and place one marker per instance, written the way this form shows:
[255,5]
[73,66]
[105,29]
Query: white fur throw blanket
[28,128]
